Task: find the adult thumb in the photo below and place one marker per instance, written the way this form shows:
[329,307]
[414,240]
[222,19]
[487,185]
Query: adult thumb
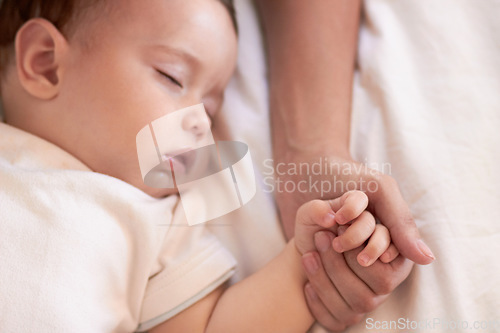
[392,211]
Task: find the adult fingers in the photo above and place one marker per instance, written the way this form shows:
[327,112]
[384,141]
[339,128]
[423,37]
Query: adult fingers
[328,300]
[320,312]
[352,289]
[381,278]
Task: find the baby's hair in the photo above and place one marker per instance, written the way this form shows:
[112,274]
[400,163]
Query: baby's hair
[61,13]
[229,4]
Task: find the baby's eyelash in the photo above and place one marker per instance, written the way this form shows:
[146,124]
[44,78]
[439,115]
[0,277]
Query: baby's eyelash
[171,78]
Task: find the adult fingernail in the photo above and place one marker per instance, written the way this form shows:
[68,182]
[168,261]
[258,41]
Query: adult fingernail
[310,291]
[363,259]
[425,249]
[310,263]
[322,241]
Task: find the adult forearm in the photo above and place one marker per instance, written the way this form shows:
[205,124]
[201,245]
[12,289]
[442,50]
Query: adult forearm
[311,55]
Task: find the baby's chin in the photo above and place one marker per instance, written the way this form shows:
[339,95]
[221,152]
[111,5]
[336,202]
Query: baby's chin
[158,192]
[151,191]
[132,178]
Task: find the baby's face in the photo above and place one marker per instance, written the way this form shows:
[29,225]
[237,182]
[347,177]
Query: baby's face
[145,60]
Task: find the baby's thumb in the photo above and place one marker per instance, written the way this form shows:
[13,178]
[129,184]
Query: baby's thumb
[312,217]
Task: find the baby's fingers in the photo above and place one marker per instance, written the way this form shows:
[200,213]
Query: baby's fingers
[312,217]
[349,206]
[314,213]
[356,234]
[390,254]
[377,245]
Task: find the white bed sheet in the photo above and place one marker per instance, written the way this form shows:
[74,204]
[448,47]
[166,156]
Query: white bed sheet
[426,100]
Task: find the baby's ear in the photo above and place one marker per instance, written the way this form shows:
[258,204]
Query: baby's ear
[40,48]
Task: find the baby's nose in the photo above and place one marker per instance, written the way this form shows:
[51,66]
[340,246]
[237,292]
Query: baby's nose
[197,123]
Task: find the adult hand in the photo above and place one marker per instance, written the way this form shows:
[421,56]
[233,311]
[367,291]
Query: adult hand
[341,175]
[340,291]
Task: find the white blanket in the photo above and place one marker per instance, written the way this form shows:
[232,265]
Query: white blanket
[85,252]
[427,101]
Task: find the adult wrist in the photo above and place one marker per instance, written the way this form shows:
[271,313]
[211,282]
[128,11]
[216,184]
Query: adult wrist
[289,152]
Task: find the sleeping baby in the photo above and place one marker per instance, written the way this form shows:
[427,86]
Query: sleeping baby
[86,245]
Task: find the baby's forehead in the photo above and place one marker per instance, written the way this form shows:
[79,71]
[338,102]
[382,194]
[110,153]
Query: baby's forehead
[156,18]
[193,29]
[79,16]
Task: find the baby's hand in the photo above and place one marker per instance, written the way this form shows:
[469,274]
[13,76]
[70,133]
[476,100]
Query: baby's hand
[357,226]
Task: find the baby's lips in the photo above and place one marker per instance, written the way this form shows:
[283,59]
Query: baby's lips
[176,152]
[182,159]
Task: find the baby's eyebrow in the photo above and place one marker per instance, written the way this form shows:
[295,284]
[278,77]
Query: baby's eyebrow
[179,52]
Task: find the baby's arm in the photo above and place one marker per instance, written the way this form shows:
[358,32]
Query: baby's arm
[271,300]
